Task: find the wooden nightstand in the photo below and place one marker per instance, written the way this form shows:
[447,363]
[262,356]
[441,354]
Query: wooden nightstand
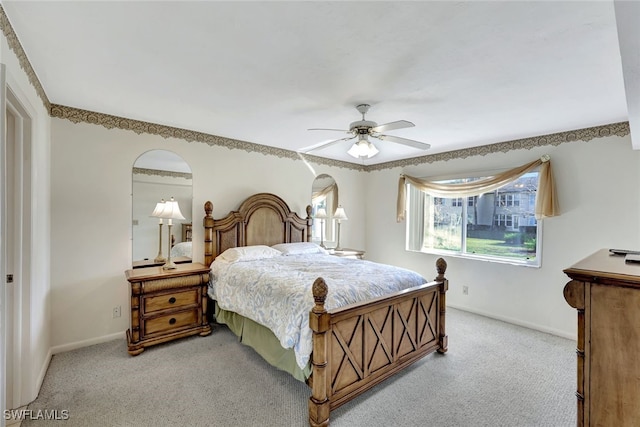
[167,304]
[348,253]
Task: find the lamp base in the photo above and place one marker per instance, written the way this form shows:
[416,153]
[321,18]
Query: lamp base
[159,259]
[170,265]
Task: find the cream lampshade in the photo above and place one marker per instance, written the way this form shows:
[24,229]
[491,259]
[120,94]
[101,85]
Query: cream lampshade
[321,214]
[156,214]
[339,215]
[170,211]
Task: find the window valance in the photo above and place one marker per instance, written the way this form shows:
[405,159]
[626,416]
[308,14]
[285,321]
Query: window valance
[546,199]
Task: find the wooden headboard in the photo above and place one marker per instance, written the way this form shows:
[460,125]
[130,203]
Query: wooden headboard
[262,219]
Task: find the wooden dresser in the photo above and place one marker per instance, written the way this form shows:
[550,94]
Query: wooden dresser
[606,292]
[167,304]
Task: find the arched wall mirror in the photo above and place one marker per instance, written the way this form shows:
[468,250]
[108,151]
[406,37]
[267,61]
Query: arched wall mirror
[324,202]
[160,175]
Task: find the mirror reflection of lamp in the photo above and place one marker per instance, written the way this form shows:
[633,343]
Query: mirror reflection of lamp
[170,211]
[339,215]
[321,214]
[156,214]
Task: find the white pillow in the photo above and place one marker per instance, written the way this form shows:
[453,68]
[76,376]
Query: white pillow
[249,253]
[299,248]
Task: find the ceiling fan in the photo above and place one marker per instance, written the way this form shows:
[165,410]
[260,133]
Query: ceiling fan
[362,129]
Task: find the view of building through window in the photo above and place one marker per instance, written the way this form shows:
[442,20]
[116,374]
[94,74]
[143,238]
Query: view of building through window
[497,225]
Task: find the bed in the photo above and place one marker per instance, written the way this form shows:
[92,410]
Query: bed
[351,347]
[182,249]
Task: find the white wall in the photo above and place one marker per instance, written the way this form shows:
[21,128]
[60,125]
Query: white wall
[91,245]
[35,321]
[599,202]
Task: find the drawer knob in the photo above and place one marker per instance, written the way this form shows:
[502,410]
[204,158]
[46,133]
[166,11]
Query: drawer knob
[172,321]
[172,300]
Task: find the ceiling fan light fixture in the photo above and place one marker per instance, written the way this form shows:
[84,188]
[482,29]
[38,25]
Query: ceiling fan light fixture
[363,148]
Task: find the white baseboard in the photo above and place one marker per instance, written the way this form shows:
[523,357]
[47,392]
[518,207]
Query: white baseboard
[68,347]
[85,343]
[43,372]
[533,326]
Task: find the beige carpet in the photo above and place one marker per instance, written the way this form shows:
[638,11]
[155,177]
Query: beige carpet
[495,374]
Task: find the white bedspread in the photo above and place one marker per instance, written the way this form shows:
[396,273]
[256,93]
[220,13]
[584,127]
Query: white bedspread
[276,292]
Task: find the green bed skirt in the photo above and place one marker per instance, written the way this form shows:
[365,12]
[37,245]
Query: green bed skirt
[263,341]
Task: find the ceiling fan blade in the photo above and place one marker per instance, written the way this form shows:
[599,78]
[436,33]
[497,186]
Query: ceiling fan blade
[335,130]
[400,124]
[404,141]
[323,144]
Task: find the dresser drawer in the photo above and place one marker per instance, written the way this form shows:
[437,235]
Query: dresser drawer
[170,300]
[168,322]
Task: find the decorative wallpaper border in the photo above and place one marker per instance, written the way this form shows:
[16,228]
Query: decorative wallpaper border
[108,121]
[159,172]
[16,47]
[587,134]
[77,115]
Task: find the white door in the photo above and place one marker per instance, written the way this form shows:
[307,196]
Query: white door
[15,225]
[3,229]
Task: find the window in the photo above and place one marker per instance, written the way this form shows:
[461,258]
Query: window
[498,226]
[508,199]
[509,221]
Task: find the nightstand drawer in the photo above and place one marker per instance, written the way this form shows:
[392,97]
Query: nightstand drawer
[171,321]
[171,300]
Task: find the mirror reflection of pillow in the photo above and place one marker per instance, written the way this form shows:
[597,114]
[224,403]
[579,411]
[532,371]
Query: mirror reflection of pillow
[299,248]
[182,249]
[248,253]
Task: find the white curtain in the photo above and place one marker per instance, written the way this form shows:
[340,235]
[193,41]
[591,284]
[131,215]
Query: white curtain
[415,237]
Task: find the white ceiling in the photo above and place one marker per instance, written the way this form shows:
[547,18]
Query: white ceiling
[466,73]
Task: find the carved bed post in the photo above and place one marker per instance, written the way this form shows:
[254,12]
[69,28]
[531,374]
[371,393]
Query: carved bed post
[319,406]
[441,267]
[208,233]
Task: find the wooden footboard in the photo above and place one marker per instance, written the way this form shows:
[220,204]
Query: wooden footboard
[357,346]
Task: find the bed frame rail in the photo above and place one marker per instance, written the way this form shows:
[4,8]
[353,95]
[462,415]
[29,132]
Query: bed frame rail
[358,346]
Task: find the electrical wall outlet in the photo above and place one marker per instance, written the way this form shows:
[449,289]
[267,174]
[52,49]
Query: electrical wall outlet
[116,312]
[465,290]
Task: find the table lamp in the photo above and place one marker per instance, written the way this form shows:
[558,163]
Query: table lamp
[170,211]
[340,215]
